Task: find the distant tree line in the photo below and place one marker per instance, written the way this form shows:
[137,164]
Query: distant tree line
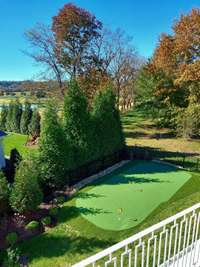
[19,118]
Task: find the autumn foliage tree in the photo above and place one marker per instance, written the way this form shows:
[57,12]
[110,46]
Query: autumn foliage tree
[75,30]
[176,68]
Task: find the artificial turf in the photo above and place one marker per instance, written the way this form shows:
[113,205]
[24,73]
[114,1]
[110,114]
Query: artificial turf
[122,201]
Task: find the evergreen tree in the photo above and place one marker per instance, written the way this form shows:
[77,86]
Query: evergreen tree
[9,121]
[34,126]
[108,127]
[26,194]
[4,194]
[77,124]
[54,150]
[16,116]
[26,118]
[3,119]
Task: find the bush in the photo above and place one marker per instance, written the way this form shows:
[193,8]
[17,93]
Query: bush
[53,212]
[46,221]
[33,225]
[26,194]
[11,238]
[12,257]
[60,200]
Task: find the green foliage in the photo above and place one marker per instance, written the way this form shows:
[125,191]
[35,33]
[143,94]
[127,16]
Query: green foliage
[60,200]
[9,121]
[54,150]
[108,129]
[25,118]
[12,257]
[53,212]
[33,225]
[16,116]
[26,194]
[188,121]
[77,124]
[11,238]
[34,126]
[46,220]
[4,194]
[3,119]
[144,88]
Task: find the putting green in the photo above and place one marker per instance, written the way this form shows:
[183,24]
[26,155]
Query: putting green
[121,201]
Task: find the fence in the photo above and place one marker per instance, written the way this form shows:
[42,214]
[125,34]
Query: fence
[189,161]
[172,242]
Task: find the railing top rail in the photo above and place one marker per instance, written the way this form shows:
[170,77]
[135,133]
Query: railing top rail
[135,237]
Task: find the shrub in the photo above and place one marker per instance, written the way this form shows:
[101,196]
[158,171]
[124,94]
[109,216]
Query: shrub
[33,225]
[34,126]
[12,257]
[46,221]
[11,238]
[26,194]
[53,212]
[60,200]
[4,194]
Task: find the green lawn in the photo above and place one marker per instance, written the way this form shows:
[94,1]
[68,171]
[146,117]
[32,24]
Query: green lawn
[18,141]
[76,237]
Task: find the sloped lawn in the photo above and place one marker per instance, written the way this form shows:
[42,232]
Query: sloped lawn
[18,141]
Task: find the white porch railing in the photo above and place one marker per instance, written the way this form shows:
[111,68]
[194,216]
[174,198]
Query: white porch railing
[174,242]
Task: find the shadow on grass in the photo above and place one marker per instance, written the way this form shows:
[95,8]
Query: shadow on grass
[187,160]
[73,247]
[69,212]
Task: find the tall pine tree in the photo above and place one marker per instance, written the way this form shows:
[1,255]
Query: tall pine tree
[3,119]
[54,156]
[26,118]
[34,126]
[108,127]
[77,124]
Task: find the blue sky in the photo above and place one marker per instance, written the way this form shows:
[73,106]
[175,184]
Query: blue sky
[144,20]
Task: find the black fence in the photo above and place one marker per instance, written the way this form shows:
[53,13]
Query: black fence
[189,161]
[75,176]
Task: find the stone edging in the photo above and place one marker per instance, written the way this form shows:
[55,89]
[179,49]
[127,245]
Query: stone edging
[94,177]
[167,163]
